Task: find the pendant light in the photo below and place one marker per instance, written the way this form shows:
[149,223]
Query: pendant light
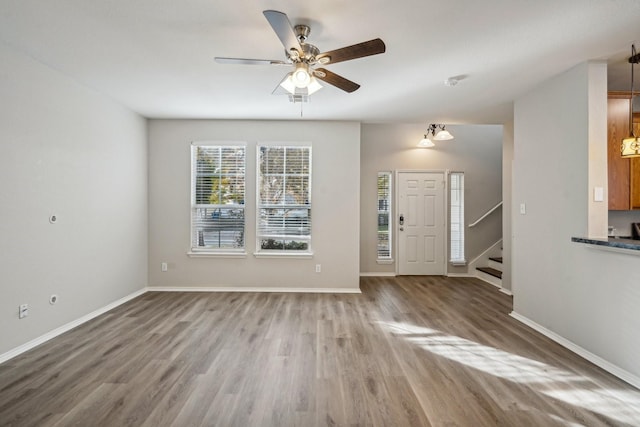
[631,146]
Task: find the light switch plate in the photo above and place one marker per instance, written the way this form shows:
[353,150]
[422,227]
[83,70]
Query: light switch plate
[523,209]
[598,194]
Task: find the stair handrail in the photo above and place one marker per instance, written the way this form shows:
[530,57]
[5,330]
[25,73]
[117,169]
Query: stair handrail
[489,212]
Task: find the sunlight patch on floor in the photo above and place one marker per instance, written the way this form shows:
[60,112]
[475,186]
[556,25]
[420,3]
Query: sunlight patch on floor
[578,390]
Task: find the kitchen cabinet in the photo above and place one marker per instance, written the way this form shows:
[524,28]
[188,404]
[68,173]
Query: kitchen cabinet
[624,174]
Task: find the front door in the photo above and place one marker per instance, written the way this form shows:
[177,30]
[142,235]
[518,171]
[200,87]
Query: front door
[421,223]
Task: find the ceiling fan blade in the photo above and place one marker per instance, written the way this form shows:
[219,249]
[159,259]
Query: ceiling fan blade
[336,80]
[281,25]
[372,47]
[246,61]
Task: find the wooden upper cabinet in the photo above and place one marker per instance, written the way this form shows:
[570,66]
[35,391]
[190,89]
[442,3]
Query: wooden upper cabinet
[619,168]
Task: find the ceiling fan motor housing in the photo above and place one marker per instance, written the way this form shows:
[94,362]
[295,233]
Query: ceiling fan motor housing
[308,54]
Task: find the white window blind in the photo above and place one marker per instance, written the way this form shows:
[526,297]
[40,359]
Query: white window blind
[284,199]
[217,197]
[456,200]
[384,215]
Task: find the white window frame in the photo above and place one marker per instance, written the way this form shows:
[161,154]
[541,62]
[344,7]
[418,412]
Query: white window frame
[456,219]
[208,251]
[277,253]
[384,259]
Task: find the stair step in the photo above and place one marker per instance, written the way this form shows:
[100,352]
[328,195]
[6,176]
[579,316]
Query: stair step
[492,271]
[496,259]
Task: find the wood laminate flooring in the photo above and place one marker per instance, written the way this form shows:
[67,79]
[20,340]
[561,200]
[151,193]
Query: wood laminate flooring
[408,351]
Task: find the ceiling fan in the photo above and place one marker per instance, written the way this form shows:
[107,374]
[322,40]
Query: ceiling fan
[305,57]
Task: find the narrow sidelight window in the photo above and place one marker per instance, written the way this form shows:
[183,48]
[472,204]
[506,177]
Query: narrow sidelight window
[384,215]
[456,200]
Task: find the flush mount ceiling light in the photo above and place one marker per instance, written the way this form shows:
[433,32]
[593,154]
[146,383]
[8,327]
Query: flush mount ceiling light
[631,146]
[441,135]
[451,81]
[454,80]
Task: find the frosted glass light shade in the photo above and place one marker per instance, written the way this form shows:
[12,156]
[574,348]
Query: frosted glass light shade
[314,86]
[301,77]
[443,135]
[630,147]
[426,143]
[287,84]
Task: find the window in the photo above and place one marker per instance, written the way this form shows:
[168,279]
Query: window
[284,199]
[217,198]
[456,200]
[384,215]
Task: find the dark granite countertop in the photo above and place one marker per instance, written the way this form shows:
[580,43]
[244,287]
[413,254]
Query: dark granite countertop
[611,242]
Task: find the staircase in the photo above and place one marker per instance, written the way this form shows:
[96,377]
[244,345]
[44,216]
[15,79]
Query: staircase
[488,265]
[492,272]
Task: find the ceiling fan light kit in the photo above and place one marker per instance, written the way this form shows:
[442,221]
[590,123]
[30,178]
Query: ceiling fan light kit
[301,77]
[303,80]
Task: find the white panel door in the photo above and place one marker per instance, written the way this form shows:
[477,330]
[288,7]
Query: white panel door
[421,223]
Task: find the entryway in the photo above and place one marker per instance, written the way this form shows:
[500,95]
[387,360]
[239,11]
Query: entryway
[421,223]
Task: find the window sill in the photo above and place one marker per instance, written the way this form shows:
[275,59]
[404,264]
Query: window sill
[384,261]
[292,255]
[192,254]
[458,263]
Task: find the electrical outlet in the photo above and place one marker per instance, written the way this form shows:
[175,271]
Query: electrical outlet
[23,311]
[164,266]
[318,268]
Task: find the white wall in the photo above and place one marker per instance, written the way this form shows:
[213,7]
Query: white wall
[335,206]
[507,207]
[476,151]
[589,297]
[69,151]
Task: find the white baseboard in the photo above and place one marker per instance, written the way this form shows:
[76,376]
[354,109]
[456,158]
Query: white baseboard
[459,275]
[66,327]
[378,274]
[253,289]
[506,291]
[596,360]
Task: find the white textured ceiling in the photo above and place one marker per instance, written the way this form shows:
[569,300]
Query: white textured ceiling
[156,56]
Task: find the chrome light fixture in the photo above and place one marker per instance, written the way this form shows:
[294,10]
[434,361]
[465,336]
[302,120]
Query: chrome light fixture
[441,135]
[631,146]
